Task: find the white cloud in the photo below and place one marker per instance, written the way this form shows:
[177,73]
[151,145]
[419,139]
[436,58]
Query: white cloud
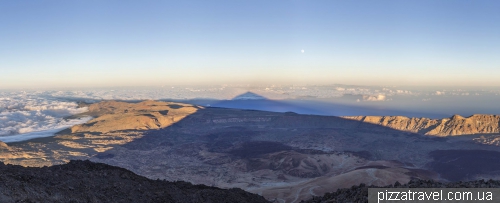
[439,93]
[379,97]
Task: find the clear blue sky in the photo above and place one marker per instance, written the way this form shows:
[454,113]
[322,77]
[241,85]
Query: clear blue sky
[127,43]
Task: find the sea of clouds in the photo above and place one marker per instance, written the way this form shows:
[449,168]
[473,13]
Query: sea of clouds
[22,113]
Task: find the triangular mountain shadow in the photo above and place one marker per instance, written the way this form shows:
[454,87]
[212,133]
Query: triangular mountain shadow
[249,96]
[253,101]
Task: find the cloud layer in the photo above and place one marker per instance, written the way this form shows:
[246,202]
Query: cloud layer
[23,112]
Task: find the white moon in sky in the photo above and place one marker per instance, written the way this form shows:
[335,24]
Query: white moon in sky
[302,51]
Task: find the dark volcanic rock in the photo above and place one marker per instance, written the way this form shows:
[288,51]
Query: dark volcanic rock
[359,194]
[258,148]
[85,181]
[454,164]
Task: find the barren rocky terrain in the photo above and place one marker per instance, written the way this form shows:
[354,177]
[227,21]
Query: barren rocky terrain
[285,157]
[85,181]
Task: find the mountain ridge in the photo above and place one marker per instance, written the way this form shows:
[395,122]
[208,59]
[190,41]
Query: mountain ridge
[453,126]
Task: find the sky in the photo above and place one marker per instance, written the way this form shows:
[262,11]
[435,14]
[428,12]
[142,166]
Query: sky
[55,44]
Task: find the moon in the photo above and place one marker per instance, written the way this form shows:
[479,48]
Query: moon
[302,51]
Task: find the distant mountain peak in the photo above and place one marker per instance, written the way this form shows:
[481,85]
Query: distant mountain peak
[456,117]
[249,96]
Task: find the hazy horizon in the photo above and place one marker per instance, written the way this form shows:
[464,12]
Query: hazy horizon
[247,100]
[61,44]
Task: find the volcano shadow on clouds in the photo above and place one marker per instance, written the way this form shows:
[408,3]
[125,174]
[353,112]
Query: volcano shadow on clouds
[252,101]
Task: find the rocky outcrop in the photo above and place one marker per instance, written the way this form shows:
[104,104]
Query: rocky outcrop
[85,181]
[456,125]
[3,146]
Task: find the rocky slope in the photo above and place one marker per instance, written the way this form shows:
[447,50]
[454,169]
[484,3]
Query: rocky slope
[85,181]
[118,116]
[359,194]
[456,125]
